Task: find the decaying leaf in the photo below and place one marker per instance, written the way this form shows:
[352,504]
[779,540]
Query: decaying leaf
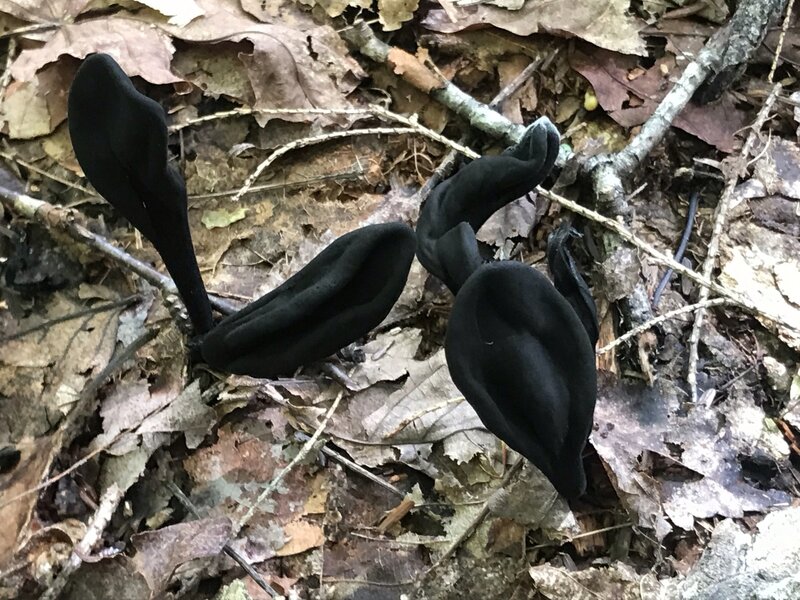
[634,422]
[44,12]
[300,66]
[159,552]
[139,48]
[180,12]
[223,217]
[631,100]
[605,24]
[301,535]
[393,13]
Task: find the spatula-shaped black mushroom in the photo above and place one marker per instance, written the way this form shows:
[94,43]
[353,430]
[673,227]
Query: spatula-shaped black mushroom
[568,280]
[120,141]
[343,293]
[521,357]
[482,187]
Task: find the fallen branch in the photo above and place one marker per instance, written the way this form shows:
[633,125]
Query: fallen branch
[479,115]
[109,501]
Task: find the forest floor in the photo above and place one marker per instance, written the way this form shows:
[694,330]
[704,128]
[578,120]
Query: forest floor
[130,470]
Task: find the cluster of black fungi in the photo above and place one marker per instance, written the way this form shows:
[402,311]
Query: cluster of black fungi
[519,348]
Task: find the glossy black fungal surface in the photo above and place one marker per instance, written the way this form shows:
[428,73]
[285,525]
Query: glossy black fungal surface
[479,189]
[568,280]
[522,358]
[120,141]
[339,296]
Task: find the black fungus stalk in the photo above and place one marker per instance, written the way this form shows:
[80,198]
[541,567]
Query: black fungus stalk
[120,141]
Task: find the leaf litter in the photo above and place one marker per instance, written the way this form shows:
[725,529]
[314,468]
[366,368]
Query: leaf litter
[663,476]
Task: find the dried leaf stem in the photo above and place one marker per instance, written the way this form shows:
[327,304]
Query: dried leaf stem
[720,216]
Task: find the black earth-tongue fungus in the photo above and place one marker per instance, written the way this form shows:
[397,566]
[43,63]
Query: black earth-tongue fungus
[120,141]
[568,280]
[477,191]
[521,356]
[338,297]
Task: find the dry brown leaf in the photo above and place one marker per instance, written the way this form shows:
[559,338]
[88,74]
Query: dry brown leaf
[36,456]
[159,552]
[37,11]
[139,48]
[42,374]
[605,24]
[294,63]
[632,102]
[301,536]
[35,108]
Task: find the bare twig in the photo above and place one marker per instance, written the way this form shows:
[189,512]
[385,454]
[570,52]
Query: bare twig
[716,234]
[309,444]
[76,315]
[779,47]
[309,141]
[624,233]
[661,319]
[268,187]
[69,221]
[476,521]
[227,548]
[109,501]
[476,113]
[31,167]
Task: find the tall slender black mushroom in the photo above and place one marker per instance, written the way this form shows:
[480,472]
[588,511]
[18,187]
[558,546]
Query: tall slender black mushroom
[120,141]
[568,280]
[519,350]
[476,192]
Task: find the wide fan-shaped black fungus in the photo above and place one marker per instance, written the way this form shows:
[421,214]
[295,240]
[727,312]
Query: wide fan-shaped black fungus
[521,357]
[568,280]
[343,293]
[120,141]
[479,189]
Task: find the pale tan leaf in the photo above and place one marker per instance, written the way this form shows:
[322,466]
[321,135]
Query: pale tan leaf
[139,48]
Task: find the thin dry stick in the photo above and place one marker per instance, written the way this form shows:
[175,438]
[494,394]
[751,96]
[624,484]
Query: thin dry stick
[663,259]
[227,548]
[285,471]
[67,220]
[479,518]
[108,504]
[72,316]
[779,48]
[684,310]
[371,110]
[31,167]
[87,393]
[720,217]
[309,141]
[268,187]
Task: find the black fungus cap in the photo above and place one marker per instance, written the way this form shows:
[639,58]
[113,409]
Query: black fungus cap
[521,357]
[120,141]
[477,191]
[343,293]
[568,280]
